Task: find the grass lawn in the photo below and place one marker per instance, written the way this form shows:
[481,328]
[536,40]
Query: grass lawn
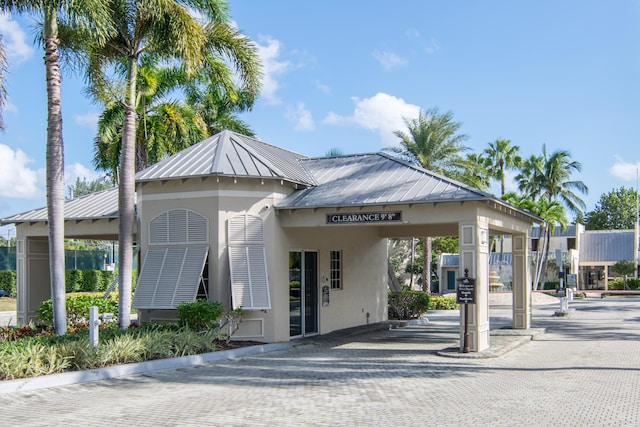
[7,304]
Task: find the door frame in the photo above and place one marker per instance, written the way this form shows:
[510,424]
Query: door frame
[302,294]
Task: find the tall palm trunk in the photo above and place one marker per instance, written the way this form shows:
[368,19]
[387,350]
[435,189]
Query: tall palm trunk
[426,267]
[126,197]
[543,248]
[55,172]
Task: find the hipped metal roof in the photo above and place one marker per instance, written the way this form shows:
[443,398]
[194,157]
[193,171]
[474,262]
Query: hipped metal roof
[377,178]
[351,180]
[230,154]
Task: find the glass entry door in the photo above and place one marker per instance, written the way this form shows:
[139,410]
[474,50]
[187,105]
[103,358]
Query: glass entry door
[303,293]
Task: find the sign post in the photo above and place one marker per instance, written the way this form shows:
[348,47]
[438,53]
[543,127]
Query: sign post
[466,294]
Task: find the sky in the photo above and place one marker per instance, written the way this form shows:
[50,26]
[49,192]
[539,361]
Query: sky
[346,74]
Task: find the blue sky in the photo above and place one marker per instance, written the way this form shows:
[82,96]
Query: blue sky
[343,74]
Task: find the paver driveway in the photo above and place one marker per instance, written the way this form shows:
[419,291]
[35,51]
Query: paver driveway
[585,370]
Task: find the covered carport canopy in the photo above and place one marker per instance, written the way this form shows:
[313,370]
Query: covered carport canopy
[402,200]
[90,217]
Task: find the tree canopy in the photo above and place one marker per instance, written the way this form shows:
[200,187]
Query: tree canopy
[616,210]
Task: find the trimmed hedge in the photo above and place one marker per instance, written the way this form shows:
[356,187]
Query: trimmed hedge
[87,280]
[408,304]
[8,281]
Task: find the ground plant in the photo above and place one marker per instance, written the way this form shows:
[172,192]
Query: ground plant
[444,302]
[34,349]
[408,304]
[78,308]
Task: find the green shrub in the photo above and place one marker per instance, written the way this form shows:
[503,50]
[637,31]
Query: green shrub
[444,302]
[550,286]
[73,280]
[89,281]
[78,308]
[408,304]
[8,281]
[200,314]
[617,284]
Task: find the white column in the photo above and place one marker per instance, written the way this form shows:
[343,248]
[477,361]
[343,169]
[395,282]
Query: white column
[521,284]
[474,256]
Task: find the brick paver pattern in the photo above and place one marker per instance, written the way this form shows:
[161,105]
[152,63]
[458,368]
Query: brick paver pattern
[584,371]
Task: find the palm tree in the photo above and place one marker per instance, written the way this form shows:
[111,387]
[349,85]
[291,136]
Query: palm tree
[548,177]
[166,125]
[434,143]
[473,171]
[87,17]
[500,157]
[170,31]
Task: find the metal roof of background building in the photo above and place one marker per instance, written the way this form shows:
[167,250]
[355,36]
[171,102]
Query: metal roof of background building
[230,154]
[607,246]
[570,231]
[376,178]
[452,260]
[98,205]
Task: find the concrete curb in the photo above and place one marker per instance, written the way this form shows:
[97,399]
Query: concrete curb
[76,377]
[502,342]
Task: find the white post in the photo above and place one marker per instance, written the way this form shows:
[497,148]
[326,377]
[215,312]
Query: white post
[94,323]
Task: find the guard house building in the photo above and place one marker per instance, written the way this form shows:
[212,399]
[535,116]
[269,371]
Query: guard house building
[299,243]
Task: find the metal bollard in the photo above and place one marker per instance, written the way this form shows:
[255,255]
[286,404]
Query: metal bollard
[94,324]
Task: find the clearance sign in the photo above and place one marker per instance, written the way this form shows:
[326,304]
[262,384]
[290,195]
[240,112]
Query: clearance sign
[363,217]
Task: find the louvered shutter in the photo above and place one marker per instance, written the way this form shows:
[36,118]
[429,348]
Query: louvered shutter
[248,263]
[173,264]
[170,275]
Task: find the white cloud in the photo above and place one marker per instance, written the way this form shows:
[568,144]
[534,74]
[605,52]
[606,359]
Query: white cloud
[389,60]
[88,120]
[300,117]
[17,180]
[624,170]
[272,67]
[381,113]
[14,37]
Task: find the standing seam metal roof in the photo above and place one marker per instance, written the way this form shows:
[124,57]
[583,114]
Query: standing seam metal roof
[607,246]
[230,154]
[375,178]
[98,205]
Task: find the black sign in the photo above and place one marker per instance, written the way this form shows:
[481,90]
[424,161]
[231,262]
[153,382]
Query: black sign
[363,217]
[466,290]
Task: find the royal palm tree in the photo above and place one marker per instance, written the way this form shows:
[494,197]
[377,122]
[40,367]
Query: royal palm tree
[433,142]
[188,32]
[84,18]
